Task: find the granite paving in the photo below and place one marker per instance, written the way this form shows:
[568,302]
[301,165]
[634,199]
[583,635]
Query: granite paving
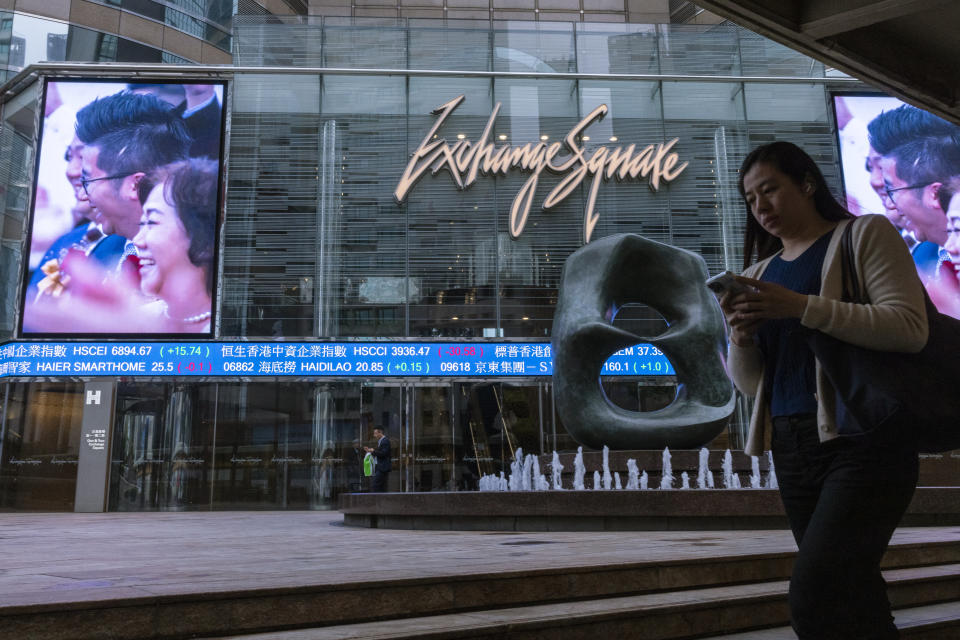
[75,558]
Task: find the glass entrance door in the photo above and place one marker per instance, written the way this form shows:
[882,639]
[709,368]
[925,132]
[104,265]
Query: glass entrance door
[433,438]
[39,445]
[163,439]
[492,421]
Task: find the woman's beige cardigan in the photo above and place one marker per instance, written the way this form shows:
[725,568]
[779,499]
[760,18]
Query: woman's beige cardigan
[895,319]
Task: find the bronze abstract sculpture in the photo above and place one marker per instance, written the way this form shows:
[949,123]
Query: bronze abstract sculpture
[627,268]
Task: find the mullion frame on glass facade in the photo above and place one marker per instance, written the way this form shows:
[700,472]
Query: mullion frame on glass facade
[19,131]
[375,288]
[541,111]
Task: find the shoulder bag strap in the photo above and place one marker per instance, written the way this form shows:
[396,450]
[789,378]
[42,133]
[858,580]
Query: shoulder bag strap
[848,266]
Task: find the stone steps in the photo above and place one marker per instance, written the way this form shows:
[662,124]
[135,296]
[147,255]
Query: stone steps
[701,591]
[930,622]
[691,613]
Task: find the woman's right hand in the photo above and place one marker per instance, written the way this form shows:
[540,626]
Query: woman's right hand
[742,332]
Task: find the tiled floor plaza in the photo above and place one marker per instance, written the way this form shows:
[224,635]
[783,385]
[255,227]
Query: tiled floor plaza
[116,575]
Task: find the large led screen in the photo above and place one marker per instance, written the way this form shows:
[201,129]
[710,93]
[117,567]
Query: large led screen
[125,210]
[904,162]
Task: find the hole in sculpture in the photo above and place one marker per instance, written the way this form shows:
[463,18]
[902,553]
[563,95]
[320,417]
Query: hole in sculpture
[640,393]
[639,319]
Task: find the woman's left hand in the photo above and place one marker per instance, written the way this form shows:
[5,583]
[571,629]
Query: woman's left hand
[766,301]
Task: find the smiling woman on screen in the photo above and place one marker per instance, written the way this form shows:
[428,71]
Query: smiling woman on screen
[175,244]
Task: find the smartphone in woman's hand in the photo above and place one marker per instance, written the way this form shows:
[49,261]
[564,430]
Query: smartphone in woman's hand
[724,282]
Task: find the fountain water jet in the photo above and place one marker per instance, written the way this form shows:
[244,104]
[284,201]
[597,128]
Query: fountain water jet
[771,473]
[728,470]
[607,480]
[754,472]
[579,470]
[556,469]
[666,479]
[515,470]
[704,475]
[526,472]
[633,475]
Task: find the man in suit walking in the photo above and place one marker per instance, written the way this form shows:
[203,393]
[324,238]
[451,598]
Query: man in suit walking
[382,456]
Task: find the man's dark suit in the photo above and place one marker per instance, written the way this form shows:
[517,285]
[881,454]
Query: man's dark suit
[204,128]
[382,469]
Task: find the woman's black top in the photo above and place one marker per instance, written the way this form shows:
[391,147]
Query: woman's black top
[790,367]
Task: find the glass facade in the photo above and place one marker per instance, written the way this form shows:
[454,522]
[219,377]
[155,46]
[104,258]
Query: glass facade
[210,20]
[316,247]
[18,144]
[40,445]
[27,39]
[321,157]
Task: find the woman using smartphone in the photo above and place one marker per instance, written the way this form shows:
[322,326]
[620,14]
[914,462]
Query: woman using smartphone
[844,489]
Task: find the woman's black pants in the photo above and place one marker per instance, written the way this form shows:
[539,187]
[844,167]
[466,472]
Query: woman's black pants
[843,499]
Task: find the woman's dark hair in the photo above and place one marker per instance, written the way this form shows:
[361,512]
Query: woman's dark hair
[190,187]
[793,162]
[950,188]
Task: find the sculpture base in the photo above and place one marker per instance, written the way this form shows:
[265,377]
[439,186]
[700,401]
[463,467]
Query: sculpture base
[937,501]
[651,510]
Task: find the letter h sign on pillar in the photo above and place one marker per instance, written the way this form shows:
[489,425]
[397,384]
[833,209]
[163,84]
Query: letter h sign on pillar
[96,432]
